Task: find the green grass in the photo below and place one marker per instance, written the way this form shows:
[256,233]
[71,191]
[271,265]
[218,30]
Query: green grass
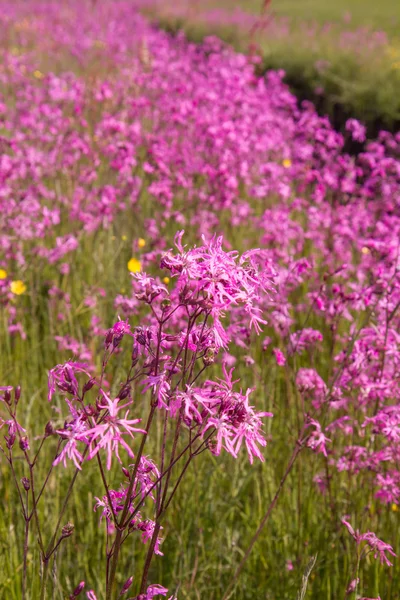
[383,15]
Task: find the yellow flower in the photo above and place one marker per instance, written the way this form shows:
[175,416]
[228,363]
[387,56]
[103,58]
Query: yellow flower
[166,280]
[134,265]
[3,274]
[124,238]
[38,74]
[395,508]
[365,250]
[18,287]
[141,243]
[287,163]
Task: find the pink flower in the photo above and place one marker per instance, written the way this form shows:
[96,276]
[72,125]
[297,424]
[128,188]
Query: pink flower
[63,377]
[317,440]
[73,432]
[377,546]
[280,358]
[155,590]
[160,387]
[108,434]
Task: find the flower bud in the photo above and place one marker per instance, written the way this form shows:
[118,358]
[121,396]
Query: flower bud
[141,338]
[124,393]
[67,530]
[135,355]
[88,385]
[7,397]
[26,483]
[126,472]
[24,443]
[209,357]
[17,394]
[49,429]
[77,590]
[10,440]
[109,338]
[126,586]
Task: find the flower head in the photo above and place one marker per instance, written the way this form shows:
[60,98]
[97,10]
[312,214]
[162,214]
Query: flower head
[377,546]
[108,434]
[134,265]
[18,287]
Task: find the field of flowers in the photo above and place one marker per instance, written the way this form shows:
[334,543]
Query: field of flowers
[199,323]
[344,55]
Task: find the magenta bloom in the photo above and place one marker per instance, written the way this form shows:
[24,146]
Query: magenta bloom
[109,433]
[377,546]
[63,377]
[317,440]
[74,433]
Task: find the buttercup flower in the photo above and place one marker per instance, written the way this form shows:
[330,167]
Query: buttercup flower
[18,287]
[134,265]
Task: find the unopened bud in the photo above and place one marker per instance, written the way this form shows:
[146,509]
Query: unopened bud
[49,429]
[10,440]
[26,483]
[135,355]
[209,357]
[124,393]
[7,397]
[126,586]
[77,590]
[109,338]
[24,443]
[126,472]
[141,338]
[67,530]
[17,393]
[88,385]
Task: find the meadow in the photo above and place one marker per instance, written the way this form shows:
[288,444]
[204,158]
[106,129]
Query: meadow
[199,327]
[344,56]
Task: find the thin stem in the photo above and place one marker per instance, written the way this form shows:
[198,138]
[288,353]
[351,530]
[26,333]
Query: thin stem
[149,557]
[103,477]
[25,568]
[64,506]
[122,524]
[44,579]
[299,446]
[10,461]
[48,475]
[34,509]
